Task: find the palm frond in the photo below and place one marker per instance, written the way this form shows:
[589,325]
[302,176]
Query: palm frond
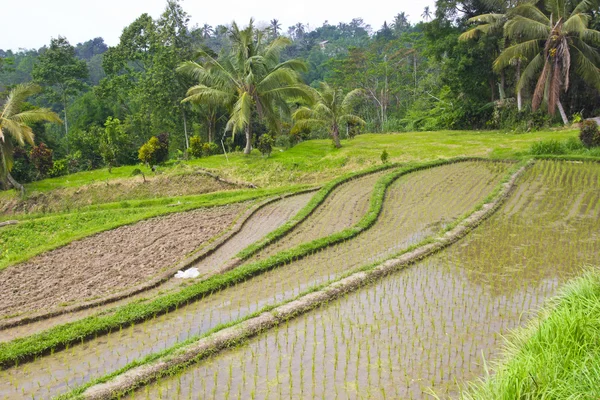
[525,50]
[36,115]
[586,68]
[530,11]
[241,114]
[530,71]
[17,97]
[576,24]
[351,98]
[522,28]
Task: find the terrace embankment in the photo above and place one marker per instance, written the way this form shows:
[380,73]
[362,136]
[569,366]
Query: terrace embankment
[425,328]
[416,204]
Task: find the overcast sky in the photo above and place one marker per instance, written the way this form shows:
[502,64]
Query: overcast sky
[31,23]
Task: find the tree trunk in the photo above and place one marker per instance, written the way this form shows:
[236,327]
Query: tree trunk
[562,113]
[502,85]
[15,184]
[519,98]
[185,132]
[66,121]
[335,133]
[248,148]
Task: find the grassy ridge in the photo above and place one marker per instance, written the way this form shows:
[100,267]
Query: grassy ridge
[316,161]
[36,234]
[556,356]
[60,336]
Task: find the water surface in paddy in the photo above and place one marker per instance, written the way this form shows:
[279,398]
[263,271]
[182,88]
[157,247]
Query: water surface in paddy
[429,326]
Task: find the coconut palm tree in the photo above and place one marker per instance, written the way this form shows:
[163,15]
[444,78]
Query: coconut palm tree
[330,110]
[249,80]
[426,14]
[275,27]
[551,45]
[14,124]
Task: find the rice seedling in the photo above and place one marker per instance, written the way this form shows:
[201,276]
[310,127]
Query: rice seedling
[427,327]
[424,192]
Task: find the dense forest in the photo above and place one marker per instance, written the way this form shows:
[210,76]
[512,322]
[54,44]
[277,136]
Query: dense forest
[171,90]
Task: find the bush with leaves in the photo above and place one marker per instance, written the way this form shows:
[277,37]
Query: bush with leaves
[148,151]
[23,169]
[162,154]
[385,157]
[60,168]
[208,149]
[195,149]
[41,157]
[589,134]
[265,144]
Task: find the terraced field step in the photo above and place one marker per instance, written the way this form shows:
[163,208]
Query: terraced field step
[425,328]
[404,219]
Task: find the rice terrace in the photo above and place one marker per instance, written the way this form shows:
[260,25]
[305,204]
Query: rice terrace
[330,212]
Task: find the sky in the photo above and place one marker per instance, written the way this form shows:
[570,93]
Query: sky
[81,20]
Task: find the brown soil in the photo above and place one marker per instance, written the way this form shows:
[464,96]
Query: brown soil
[114,191]
[110,261]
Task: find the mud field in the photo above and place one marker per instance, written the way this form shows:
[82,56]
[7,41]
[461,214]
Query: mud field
[109,261]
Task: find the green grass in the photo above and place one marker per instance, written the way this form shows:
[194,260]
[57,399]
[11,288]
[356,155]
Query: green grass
[39,233]
[316,161]
[557,356]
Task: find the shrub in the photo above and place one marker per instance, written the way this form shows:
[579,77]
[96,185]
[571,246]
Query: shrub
[209,149]
[147,153]
[265,144]
[589,135]
[385,157]
[41,157]
[195,149]
[162,154]
[60,168]
[23,169]
[548,147]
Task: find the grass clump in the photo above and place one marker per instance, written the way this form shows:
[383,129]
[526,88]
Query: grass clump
[557,356]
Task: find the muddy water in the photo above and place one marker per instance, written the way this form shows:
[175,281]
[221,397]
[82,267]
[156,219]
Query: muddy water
[415,206]
[425,328]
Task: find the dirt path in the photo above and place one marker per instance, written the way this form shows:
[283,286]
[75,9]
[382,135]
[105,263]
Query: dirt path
[110,261]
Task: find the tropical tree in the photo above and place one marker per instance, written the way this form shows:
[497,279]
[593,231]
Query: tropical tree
[551,43]
[330,110]
[61,72]
[426,14]
[275,27]
[14,125]
[249,80]
[207,31]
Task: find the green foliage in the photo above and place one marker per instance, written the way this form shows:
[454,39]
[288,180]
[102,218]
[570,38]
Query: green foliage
[41,157]
[385,157]
[209,149]
[589,134]
[548,147]
[23,169]
[148,151]
[265,144]
[195,149]
[554,356]
[60,168]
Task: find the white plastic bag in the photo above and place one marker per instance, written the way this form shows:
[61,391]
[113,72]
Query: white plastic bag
[190,273]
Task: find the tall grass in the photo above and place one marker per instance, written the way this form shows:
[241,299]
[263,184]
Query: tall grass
[556,356]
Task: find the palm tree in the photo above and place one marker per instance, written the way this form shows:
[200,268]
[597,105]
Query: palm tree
[248,80]
[207,31]
[331,110]
[275,27]
[426,14]
[14,123]
[551,45]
